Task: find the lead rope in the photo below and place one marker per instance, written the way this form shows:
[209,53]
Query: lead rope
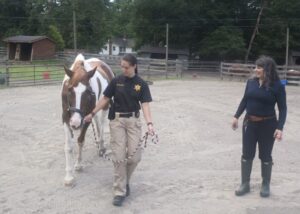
[142,141]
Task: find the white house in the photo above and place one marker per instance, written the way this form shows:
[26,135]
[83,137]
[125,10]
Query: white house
[118,46]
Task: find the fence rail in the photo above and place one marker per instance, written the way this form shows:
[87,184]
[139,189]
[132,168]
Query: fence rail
[14,74]
[26,75]
[243,71]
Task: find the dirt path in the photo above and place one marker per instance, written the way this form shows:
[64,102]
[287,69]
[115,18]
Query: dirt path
[195,169]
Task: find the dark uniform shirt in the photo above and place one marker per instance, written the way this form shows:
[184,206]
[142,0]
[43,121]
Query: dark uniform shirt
[128,93]
[260,101]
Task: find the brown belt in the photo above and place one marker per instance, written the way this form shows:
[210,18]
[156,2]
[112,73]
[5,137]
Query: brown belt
[258,119]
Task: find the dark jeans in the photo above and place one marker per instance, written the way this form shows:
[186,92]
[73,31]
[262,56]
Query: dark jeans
[258,132]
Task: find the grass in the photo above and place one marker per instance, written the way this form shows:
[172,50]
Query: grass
[34,72]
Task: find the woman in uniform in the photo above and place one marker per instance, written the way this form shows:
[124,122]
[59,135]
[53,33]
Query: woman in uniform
[129,93]
[260,124]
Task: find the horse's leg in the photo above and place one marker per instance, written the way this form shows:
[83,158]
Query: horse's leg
[100,120]
[69,145]
[78,164]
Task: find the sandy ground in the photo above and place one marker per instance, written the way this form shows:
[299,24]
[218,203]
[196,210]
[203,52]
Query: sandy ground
[194,169]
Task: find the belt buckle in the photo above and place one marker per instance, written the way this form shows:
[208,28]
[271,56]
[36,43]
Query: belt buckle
[137,114]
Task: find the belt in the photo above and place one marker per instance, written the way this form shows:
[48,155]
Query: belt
[258,119]
[128,115]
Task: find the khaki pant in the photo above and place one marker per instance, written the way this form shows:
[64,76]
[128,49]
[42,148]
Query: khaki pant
[125,136]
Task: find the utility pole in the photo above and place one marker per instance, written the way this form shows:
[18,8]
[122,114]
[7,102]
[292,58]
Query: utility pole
[74,28]
[167,48]
[287,51]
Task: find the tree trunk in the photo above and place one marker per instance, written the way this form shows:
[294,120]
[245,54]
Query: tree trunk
[263,4]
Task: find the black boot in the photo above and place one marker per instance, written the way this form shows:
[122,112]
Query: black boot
[266,171]
[118,200]
[246,167]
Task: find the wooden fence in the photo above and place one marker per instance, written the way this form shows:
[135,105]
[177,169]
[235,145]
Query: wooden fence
[14,74]
[243,71]
[51,72]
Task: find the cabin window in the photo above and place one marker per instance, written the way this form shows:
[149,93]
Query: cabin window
[122,49]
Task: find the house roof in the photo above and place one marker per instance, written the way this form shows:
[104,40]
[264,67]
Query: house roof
[162,50]
[295,53]
[123,42]
[25,39]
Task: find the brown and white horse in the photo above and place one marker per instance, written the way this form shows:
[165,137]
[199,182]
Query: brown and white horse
[82,87]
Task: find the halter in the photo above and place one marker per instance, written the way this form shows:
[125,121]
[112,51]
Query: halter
[71,109]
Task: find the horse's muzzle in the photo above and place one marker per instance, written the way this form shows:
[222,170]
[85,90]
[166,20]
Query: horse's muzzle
[76,123]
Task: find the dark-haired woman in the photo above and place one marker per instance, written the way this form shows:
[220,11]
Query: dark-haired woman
[260,123]
[130,93]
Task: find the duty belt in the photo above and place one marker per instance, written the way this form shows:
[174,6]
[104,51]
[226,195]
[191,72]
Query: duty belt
[128,114]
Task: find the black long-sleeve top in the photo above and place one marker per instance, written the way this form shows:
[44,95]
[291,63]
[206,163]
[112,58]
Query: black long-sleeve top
[260,101]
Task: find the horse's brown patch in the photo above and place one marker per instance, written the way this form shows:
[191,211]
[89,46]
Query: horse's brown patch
[105,71]
[67,101]
[80,75]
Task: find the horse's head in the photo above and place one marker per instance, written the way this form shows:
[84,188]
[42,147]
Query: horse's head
[77,95]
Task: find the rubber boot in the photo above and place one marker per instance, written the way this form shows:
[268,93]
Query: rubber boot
[246,167]
[266,171]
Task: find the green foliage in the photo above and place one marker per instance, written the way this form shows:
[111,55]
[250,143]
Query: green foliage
[119,17]
[271,39]
[214,29]
[223,43]
[55,35]
[9,21]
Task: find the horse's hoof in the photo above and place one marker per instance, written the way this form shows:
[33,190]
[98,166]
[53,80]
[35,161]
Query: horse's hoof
[78,168]
[69,182]
[102,152]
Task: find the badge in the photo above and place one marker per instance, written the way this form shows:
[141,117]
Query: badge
[137,87]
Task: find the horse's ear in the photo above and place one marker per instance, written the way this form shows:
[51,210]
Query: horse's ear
[92,72]
[68,71]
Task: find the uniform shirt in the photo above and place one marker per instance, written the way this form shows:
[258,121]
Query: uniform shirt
[128,93]
[260,101]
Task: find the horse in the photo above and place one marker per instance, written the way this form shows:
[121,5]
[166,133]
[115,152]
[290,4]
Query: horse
[82,87]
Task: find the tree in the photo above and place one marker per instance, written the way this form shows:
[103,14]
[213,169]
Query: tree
[263,5]
[56,36]
[10,23]
[225,43]
[271,39]
[120,14]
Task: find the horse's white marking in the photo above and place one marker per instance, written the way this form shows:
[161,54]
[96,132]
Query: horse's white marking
[69,145]
[76,118]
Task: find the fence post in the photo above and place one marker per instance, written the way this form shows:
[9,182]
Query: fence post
[33,74]
[148,71]
[166,68]
[221,70]
[177,67]
[7,74]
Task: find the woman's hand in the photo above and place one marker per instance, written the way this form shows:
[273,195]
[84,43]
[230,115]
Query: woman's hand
[235,123]
[150,128]
[88,118]
[278,134]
